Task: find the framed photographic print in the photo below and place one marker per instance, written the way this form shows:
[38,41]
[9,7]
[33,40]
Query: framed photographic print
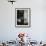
[22,17]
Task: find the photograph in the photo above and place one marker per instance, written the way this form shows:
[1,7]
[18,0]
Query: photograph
[22,17]
[22,22]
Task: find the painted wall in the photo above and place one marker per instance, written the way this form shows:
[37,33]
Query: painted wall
[8,31]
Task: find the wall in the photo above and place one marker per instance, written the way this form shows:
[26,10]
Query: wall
[8,31]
